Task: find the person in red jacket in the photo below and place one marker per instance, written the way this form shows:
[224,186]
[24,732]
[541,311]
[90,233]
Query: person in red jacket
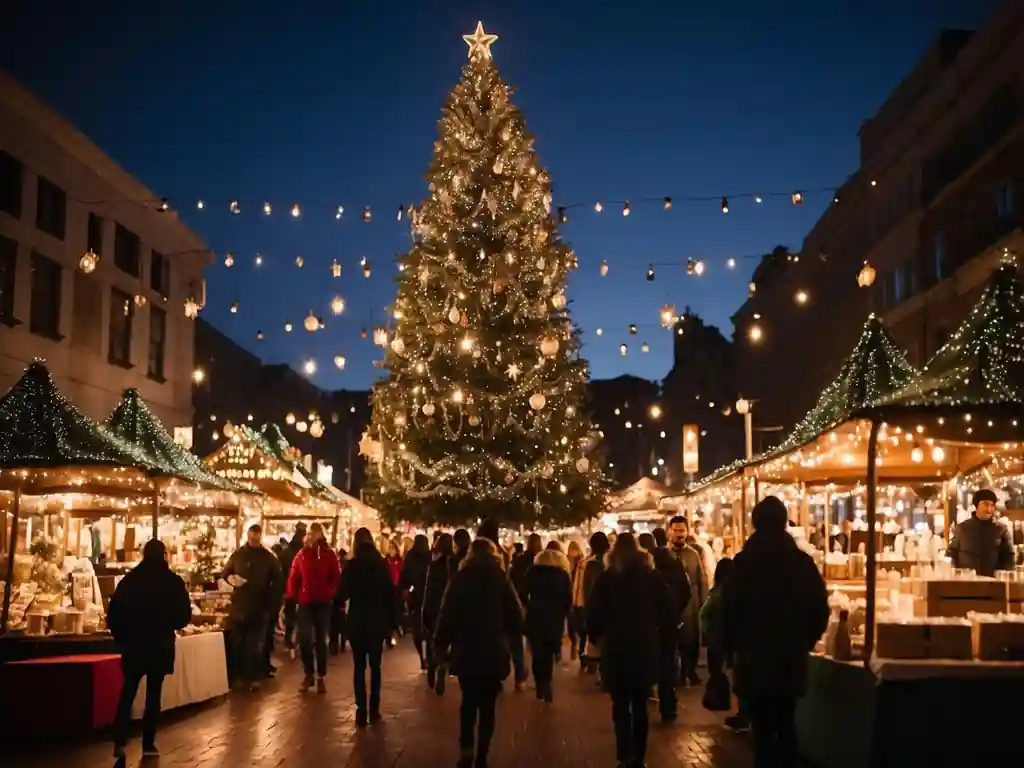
[312,584]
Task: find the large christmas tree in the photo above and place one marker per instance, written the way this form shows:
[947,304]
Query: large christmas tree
[483,412]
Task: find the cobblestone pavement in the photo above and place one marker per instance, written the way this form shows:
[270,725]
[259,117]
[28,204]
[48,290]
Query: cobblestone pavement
[278,727]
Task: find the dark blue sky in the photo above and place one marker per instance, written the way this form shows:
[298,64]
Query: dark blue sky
[337,103]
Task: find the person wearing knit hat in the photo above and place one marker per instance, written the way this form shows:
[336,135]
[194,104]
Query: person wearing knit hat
[980,542]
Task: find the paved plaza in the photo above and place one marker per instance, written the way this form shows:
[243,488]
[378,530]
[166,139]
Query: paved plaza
[278,727]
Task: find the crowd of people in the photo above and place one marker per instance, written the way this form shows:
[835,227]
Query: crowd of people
[637,612]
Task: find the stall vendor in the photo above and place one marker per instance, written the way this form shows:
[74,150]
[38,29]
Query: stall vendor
[980,542]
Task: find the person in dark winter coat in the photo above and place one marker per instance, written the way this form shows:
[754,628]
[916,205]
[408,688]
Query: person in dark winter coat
[480,614]
[412,582]
[336,638]
[980,542]
[255,574]
[517,574]
[587,575]
[488,529]
[548,602]
[367,587]
[148,606]
[688,551]
[442,566]
[312,584]
[770,638]
[628,614]
[287,556]
[673,573]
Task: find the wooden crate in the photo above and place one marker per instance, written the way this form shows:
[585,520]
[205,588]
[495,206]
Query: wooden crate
[957,598]
[999,640]
[924,641]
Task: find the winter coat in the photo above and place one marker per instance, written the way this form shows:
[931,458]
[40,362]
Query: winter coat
[314,576]
[479,614]
[414,577]
[587,574]
[680,592]
[520,566]
[548,597]
[148,606]
[712,622]
[692,560]
[259,596]
[439,573]
[628,614]
[775,611]
[394,565]
[289,552]
[367,587]
[983,545]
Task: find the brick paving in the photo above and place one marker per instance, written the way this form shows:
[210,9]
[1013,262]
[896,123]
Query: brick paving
[277,727]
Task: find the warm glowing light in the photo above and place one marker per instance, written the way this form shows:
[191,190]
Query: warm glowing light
[457,396]
[296,211]
[801,297]
[866,276]
[337,305]
[88,261]
[311,323]
[198,375]
[755,334]
[309,367]
[466,344]
[938,454]
[339,362]
[655,411]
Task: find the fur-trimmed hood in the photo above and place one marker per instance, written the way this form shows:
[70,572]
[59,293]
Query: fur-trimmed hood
[624,561]
[552,558]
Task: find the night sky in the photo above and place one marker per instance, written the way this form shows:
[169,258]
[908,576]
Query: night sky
[329,104]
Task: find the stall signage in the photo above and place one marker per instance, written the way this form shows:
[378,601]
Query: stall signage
[691,446]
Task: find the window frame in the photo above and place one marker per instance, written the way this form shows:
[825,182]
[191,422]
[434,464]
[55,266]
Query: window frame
[158,372]
[122,335]
[17,181]
[8,281]
[133,261]
[47,327]
[51,202]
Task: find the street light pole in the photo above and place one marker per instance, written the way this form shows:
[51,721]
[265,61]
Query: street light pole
[746,409]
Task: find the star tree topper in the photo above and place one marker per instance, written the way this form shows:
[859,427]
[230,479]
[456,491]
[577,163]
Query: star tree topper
[479,42]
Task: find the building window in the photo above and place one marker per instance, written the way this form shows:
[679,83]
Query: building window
[122,312]
[126,250]
[160,274]
[44,315]
[941,254]
[94,238]
[1004,200]
[51,208]
[12,174]
[157,334]
[8,269]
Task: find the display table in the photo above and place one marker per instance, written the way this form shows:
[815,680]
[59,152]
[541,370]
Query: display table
[200,674]
[16,647]
[59,696]
[908,713]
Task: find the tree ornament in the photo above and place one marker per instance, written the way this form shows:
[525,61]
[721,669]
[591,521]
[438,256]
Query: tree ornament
[549,346]
[311,323]
[380,336]
[479,43]
[583,465]
[454,316]
[547,470]
[537,401]
[513,371]
[397,345]
[428,409]
[499,166]
[558,301]
[474,420]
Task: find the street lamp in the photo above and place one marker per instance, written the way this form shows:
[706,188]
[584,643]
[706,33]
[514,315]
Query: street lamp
[745,408]
[655,411]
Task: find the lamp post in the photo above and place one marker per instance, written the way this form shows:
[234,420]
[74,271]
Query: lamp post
[745,408]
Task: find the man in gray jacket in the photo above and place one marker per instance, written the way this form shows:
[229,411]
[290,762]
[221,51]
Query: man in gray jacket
[980,542]
[688,551]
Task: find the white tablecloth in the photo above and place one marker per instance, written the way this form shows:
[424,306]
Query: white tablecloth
[200,673]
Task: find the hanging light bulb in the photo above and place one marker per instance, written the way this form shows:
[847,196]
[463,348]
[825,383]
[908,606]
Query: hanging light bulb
[644,347]
[730,263]
[311,323]
[88,262]
[366,269]
[335,268]
[234,208]
[698,267]
[234,307]
[400,213]
[599,331]
[598,207]
[668,315]
[917,455]
[299,261]
[337,305]
[623,349]
[625,208]
[691,266]
[229,261]
[604,269]
[668,203]
[938,454]
[289,419]
[258,260]
[650,273]
[340,212]
[801,297]
[755,334]
[866,276]
[725,205]
[339,362]
[757,199]
[367,214]
[562,217]
[632,329]
[198,376]
[751,289]
[316,429]
[287,326]
[798,198]
[309,367]
[267,209]
[259,335]
[296,211]
[200,204]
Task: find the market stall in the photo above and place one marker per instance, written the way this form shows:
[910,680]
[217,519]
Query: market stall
[636,507]
[941,648]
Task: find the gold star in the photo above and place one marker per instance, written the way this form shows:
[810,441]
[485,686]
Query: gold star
[479,42]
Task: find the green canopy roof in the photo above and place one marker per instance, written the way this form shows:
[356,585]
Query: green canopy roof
[875,368]
[981,367]
[279,446]
[134,422]
[40,428]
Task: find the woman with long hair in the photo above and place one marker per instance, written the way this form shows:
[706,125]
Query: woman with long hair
[412,583]
[479,615]
[442,566]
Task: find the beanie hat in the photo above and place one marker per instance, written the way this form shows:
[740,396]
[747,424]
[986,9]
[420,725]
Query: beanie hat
[984,494]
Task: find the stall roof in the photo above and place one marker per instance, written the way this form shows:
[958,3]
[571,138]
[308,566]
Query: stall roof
[979,371]
[41,429]
[135,423]
[284,451]
[641,496]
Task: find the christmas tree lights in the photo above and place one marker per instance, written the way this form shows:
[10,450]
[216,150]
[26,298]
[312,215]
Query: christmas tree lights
[982,365]
[483,411]
[40,428]
[135,423]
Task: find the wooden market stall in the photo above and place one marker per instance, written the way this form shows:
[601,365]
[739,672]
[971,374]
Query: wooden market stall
[637,505]
[941,654]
